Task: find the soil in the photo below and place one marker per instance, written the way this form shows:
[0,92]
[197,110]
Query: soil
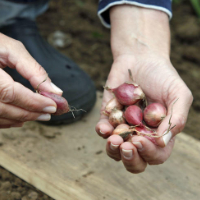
[89,46]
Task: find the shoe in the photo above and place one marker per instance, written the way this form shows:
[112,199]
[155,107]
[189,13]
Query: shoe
[77,87]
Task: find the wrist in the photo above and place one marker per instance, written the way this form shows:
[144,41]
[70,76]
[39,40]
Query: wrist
[136,30]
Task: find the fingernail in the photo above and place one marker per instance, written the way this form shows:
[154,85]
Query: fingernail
[50,109]
[114,146]
[138,145]
[128,154]
[44,117]
[167,137]
[57,89]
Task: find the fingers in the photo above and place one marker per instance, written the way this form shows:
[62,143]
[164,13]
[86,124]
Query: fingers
[112,147]
[132,161]
[34,102]
[16,94]
[104,128]
[6,123]
[14,55]
[151,153]
[18,114]
[125,151]
[177,114]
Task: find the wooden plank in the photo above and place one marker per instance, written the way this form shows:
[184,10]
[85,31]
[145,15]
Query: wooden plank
[70,163]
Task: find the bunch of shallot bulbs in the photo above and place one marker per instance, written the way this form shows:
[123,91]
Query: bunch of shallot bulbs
[129,113]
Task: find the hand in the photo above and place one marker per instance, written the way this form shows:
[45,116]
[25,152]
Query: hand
[152,70]
[18,104]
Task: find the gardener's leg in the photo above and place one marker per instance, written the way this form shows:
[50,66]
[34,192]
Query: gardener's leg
[17,20]
[10,11]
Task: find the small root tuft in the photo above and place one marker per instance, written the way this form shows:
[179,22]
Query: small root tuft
[72,109]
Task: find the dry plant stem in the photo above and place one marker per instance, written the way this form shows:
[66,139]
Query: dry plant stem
[169,128]
[150,135]
[125,134]
[131,77]
[37,88]
[145,100]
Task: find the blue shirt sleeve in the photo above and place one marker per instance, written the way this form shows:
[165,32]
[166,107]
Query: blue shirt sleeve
[105,5]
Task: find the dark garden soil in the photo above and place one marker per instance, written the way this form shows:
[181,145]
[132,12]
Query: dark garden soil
[89,46]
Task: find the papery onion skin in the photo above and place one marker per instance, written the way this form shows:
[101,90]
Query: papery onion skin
[123,129]
[116,117]
[128,94]
[112,104]
[154,113]
[144,130]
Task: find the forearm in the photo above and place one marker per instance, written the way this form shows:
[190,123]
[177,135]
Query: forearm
[136,30]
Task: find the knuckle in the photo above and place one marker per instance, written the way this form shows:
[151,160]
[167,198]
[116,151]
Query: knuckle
[19,44]
[7,94]
[188,94]
[17,125]
[157,161]
[191,98]
[135,171]
[115,157]
[160,162]
[40,69]
[24,117]
[180,123]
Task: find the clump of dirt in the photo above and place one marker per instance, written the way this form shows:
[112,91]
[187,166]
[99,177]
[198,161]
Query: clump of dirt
[13,188]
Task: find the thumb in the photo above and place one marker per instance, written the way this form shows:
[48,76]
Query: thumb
[15,56]
[176,118]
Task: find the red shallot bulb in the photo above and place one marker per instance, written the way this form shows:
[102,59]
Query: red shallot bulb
[128,93]
[133,115]
[62,104]
[154,113]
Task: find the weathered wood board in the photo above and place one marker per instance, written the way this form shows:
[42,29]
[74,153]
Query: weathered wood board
[72,164]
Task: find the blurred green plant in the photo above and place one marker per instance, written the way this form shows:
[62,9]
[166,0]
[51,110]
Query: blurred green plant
[196,6]
[80,3]
[177,1]
[97,35]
